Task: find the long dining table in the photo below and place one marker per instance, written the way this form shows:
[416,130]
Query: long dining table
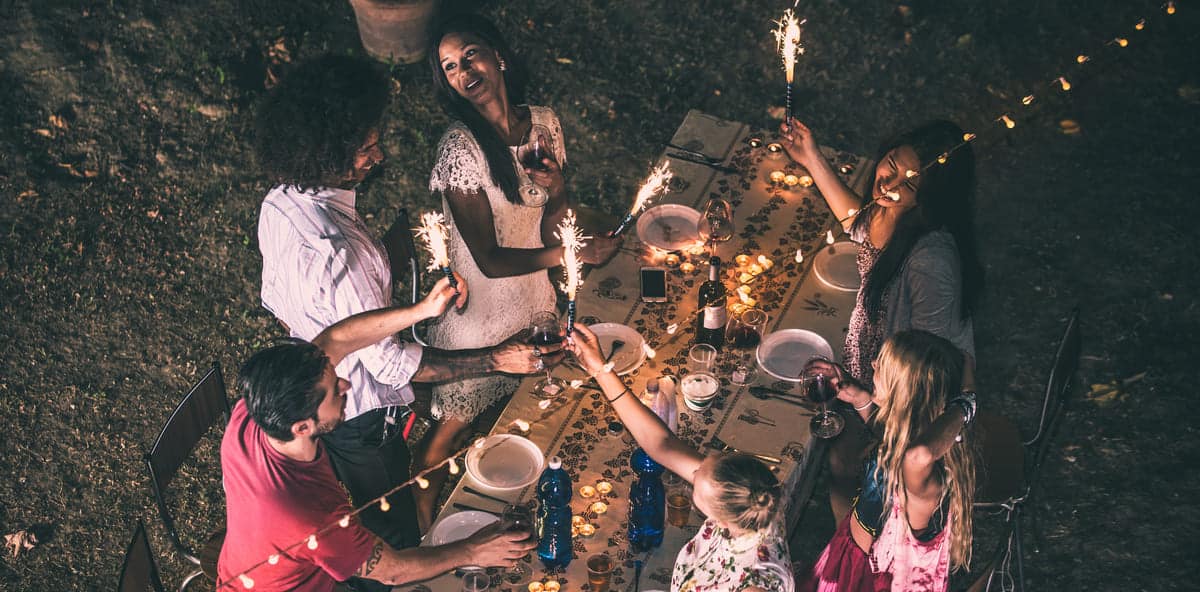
[785,221]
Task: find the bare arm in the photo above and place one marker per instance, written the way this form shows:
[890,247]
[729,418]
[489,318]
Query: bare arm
[473,218]
[802,147]
[514,356]
[649,431]
[928,448]
[363,329]
[489,547]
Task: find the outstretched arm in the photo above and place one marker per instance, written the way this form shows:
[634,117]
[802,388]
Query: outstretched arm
[802,147]
[489,547]
[366,328]
[649,431]
[513,356]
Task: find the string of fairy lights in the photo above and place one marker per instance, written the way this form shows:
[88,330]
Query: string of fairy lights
[433,233]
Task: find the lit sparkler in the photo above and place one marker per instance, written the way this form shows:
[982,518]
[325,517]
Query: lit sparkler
[572,238]
[656,184]
[433,233]
[787,38]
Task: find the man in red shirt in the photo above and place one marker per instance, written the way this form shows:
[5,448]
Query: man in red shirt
[279,484]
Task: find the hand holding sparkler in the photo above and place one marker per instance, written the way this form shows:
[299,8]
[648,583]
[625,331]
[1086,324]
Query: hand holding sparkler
[787,39]
[433,233]
[572,238]
[656,184]
[447,291]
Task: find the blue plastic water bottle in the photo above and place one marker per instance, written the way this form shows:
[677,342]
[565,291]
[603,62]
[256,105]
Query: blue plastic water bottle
[647,503]
[554,515]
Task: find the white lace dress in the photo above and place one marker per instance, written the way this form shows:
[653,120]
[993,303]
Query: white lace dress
[498,307]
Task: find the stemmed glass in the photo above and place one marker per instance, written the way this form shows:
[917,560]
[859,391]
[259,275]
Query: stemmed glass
[716,222]
[819,389]
[745,333]
[544,331]
[535,146]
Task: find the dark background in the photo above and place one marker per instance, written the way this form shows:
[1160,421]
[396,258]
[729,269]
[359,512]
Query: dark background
[129,198]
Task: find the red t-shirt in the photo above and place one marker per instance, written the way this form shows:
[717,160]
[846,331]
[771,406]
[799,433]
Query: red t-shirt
[273,501]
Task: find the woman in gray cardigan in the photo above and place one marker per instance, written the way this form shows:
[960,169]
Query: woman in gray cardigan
[916,257]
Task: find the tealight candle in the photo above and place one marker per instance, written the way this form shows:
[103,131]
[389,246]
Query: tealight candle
[575,531]
[744,296]
[687,267]
[791,180]
[765,262]
[750,302]
[599,507]
[696,249]
[775,150]
[806,181]
[737,308]
[604,487]
[777,176]
[754,269]
[744,289]
[587,530]
[742,260]
[587,492]
[672,260]
[536,587]
[552,586]
[745,278]
[578,520]
[846,169]
[754,142]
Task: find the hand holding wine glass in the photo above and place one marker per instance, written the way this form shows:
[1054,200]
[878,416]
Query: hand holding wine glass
[543,177]
[545,334]
[821,379]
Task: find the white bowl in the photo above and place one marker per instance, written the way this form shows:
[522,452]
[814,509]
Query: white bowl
[670,227]
[457,526]
[505,463]
[784,353]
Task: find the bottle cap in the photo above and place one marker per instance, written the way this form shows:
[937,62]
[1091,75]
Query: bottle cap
[554,463]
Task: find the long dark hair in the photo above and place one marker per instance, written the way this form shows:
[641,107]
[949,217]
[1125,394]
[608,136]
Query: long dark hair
[308,129]
[945,200]
[499,157]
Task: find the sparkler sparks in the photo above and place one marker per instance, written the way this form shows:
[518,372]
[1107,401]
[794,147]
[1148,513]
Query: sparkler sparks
[656,184]
[572,238]
[787,39]
[432,232]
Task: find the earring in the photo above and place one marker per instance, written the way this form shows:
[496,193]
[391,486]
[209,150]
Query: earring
[503,66]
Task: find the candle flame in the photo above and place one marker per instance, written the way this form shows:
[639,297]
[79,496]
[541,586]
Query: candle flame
[787,39]
[655,184]
[572,238]
[433,232]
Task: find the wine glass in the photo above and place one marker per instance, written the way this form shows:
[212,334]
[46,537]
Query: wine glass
[819,389]
[544,331]
[745,333]
[716,222]
[518,518]
[535,146]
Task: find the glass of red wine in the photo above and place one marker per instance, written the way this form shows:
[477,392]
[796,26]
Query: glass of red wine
[745,333]
[818,387]
[518,518]
[544,332]
[535,147]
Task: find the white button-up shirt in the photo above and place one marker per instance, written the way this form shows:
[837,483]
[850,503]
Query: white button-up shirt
[321,265]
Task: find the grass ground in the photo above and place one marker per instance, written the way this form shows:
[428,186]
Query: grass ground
[128,259]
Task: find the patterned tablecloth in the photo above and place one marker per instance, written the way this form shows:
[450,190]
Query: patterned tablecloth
[771,220]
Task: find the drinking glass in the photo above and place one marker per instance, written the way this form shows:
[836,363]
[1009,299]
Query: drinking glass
[544,331]
[600,567]
[819,389]
[517,518]
[716,222]
[700,386]
[679,507]
[745,332]
[476,580]
[535,146]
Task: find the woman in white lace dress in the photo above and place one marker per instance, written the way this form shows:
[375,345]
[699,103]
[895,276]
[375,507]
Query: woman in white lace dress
[499,243]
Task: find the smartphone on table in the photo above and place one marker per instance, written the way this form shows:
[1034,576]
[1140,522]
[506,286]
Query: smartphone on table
[654,284]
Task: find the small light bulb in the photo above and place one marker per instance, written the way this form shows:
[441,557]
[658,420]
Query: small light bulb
[545,403]
[1170,8]
[1141,24]
[521,425]
[650,353]
[1081,58]
[755,269]
[745,277]
[423,483]
[1027,100]
[1062,81]
[742,259]
[1123,42]
[829,236]
[672,328]
[453,467]
[576,383]
[892,195]
[345,521]
[384,505]
[942,158]
[849,214]
[910,174]
[800,253]
[246,581]
[1008,121]
[745,297]
[312,542]
[273,559]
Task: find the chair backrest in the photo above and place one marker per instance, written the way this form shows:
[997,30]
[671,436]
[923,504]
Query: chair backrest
[199,410]
[139,573]
[1000,470]
[1062,372]
[402,253]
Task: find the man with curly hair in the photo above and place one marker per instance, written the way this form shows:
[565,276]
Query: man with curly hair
[317,138]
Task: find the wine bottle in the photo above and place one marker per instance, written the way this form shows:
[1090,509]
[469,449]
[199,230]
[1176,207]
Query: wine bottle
[710,326]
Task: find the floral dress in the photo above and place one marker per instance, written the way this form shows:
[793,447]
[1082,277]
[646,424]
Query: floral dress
[497,307]
[864,339]
[714,561]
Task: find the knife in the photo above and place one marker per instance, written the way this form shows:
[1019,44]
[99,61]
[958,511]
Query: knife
[473,491]
[459,506]
[703,161]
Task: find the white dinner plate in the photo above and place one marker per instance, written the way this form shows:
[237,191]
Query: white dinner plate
[670,227]
[630,356]
[784,353]
[836,266]
[456,527]
[505,462]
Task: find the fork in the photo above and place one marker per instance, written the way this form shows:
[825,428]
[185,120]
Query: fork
[617,345]
[720,444]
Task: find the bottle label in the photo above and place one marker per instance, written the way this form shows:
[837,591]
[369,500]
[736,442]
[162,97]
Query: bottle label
[715,317]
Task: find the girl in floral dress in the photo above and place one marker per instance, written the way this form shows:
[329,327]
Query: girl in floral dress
[741,546]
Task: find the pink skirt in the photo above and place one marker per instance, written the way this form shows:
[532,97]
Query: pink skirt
[843,567]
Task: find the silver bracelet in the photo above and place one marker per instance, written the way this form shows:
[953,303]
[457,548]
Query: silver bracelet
[867,404]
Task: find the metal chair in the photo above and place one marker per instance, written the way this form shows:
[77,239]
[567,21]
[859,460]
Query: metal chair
[1033,453]
[139,573]
[199,410]
[404,259]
